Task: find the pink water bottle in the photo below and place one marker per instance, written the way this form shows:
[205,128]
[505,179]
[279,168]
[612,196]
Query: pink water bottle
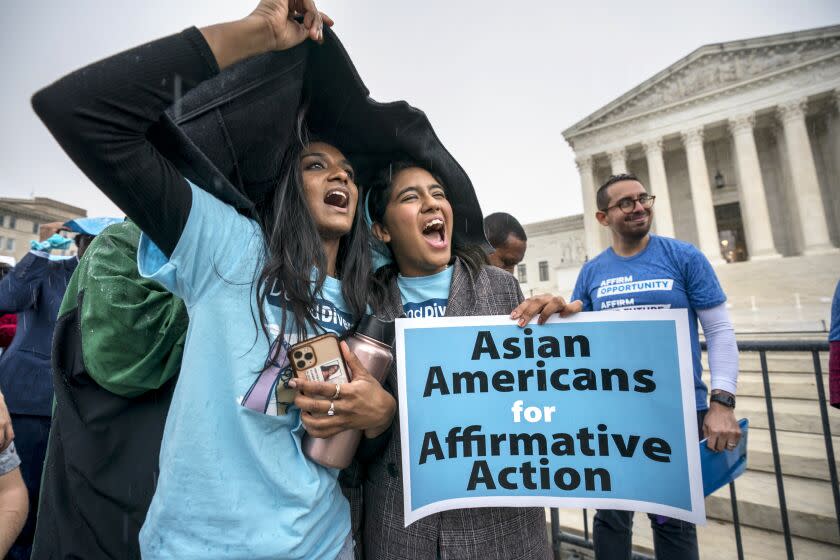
[371,343]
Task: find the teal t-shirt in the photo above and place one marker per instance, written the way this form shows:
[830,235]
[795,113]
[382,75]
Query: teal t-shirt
[234,482]
[425,296]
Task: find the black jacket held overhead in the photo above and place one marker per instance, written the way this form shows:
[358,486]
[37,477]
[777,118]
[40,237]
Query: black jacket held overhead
[122,123]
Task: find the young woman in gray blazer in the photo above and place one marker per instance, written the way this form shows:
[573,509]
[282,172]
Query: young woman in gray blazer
[432,274]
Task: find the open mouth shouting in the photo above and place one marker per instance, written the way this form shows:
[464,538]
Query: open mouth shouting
[434,232]
[338,198]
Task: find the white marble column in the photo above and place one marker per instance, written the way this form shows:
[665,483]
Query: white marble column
[662,216]
[591,227]
[618,166]
[751,194]
[618,161]
[836,130]
[806,187]
[701,195]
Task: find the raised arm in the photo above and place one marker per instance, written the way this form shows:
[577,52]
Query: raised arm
[101,113]
[19,288]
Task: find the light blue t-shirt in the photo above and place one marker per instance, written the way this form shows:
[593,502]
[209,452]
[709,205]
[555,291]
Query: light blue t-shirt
[667,274]
[425,296]
[234,482]
[834,333]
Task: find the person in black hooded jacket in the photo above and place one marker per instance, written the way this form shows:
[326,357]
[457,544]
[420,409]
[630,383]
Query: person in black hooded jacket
[233,480]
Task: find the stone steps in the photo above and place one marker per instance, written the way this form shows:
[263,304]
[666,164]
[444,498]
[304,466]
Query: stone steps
[809,503]
[792,415]
[717,539]
[777,362]
[802,455]
[808,492]
[768,286]
[810,506]
[786,385]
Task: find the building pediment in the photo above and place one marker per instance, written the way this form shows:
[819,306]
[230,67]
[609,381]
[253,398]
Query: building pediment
[715,69]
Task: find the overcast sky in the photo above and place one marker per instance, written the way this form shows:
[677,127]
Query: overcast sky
[498,80]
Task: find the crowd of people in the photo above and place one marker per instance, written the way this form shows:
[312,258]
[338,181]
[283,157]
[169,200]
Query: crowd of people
[279,202]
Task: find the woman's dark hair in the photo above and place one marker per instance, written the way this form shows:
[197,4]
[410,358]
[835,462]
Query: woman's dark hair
[380,193]
[293,246]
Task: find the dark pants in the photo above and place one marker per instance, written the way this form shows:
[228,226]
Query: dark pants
[31,434]
[673,539]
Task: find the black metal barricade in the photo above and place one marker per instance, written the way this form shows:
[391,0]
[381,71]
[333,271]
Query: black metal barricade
[762,347]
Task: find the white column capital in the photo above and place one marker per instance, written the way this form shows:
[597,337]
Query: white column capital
[742,124]
[652,145]
[692,136]
[792,110]
[584,163]
[619,154]
[618,161]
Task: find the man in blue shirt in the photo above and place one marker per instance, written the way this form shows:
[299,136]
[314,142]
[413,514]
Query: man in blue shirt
[645,271]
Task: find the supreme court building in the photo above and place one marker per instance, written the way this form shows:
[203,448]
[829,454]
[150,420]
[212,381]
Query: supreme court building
[740,143]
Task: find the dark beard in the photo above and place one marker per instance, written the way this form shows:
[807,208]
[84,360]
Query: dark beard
[636,235]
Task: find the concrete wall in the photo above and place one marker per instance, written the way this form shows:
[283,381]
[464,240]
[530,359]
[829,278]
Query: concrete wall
[560,244]
[25,230]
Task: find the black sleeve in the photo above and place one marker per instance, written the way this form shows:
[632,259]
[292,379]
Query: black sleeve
[370,448]
[101,113]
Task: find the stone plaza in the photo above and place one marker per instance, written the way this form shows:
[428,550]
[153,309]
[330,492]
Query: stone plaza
[740,143]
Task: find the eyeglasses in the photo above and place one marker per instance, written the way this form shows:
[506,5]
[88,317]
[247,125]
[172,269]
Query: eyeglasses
[627,205]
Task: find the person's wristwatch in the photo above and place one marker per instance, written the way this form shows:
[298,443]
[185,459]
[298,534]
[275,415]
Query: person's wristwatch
[724,398]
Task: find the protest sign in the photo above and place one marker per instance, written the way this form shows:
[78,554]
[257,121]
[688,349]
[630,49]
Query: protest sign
[593,411]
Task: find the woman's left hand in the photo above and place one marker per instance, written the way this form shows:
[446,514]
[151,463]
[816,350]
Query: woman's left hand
[362,404]
[545,305]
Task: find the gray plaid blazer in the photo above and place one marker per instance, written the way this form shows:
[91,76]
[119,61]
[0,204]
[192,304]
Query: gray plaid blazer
[377,498]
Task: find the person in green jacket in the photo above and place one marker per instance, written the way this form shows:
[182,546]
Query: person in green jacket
[116,353]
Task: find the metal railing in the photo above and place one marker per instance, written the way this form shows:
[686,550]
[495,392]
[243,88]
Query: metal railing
[762,347]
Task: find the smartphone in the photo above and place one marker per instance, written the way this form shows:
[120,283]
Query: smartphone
[319,359]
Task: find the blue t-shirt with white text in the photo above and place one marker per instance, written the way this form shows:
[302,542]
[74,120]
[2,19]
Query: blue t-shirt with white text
[667,274]
[425,296]
[234,482]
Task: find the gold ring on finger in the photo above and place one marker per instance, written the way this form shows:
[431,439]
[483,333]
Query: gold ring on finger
[337,391]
